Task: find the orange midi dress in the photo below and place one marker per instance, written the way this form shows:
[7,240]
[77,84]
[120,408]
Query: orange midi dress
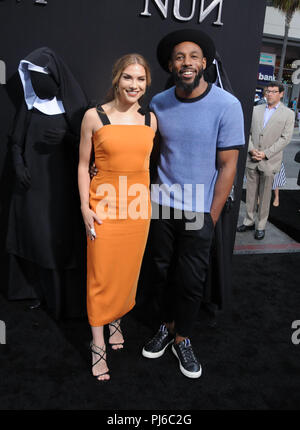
[119,195]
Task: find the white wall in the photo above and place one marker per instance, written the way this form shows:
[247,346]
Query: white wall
[275,21]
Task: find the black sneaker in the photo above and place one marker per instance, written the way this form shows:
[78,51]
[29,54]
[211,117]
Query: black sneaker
[188,363]
[157,345]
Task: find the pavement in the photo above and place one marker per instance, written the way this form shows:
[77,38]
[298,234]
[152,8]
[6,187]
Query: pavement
[275,241]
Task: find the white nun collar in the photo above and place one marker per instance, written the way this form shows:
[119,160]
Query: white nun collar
[48,107]
[218,80]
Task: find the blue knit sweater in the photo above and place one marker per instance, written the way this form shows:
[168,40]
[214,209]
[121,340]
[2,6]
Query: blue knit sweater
[192,131]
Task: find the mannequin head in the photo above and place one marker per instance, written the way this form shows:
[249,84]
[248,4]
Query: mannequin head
[210,74]
[44,85]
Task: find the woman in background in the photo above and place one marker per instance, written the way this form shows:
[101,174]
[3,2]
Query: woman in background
[279,181]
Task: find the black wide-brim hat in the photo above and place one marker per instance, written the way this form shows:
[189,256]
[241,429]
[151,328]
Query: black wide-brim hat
[166,45]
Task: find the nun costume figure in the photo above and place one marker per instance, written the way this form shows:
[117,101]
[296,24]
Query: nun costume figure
[45,234]
[217,292]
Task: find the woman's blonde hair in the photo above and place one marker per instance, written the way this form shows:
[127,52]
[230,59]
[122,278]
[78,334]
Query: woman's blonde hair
[118,68]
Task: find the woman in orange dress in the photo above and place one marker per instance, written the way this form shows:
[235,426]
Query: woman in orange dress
[115,204]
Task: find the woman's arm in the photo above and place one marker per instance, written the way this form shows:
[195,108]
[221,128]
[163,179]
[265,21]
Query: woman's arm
[85,149]
[153,121]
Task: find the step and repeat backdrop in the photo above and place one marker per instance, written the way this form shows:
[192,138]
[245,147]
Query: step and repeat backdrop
[89,35]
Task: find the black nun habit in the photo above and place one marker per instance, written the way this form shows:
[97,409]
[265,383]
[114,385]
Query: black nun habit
[44,232]
[217,294]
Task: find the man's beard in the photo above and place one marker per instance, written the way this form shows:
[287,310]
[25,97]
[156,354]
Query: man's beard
[187,87]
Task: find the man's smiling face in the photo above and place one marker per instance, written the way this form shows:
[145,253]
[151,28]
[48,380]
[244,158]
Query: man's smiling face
[187,65]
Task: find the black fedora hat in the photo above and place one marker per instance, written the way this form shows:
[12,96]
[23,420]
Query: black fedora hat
[166,45]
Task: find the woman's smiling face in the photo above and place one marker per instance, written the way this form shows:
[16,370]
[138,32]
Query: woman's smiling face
[132,83]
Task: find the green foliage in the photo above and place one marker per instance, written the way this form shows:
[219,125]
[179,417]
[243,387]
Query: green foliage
[287,6]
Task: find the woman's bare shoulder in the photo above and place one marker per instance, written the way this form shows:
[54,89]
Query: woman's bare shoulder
[91,119]
[90,113]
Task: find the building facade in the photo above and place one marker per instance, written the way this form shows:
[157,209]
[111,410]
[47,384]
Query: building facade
[272,41]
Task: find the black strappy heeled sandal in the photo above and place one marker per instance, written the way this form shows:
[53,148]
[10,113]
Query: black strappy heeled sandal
[101,355]
[117,328]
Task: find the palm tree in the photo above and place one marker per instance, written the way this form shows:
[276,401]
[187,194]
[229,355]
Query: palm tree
[289,7]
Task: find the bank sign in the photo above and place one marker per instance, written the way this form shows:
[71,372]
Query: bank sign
[265,73]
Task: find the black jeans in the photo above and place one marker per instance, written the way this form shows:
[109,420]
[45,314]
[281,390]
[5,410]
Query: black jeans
[180,259]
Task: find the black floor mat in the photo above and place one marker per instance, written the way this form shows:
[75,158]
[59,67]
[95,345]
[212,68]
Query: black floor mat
[249,360]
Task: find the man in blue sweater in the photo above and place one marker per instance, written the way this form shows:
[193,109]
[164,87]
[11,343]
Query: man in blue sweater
[201,130]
